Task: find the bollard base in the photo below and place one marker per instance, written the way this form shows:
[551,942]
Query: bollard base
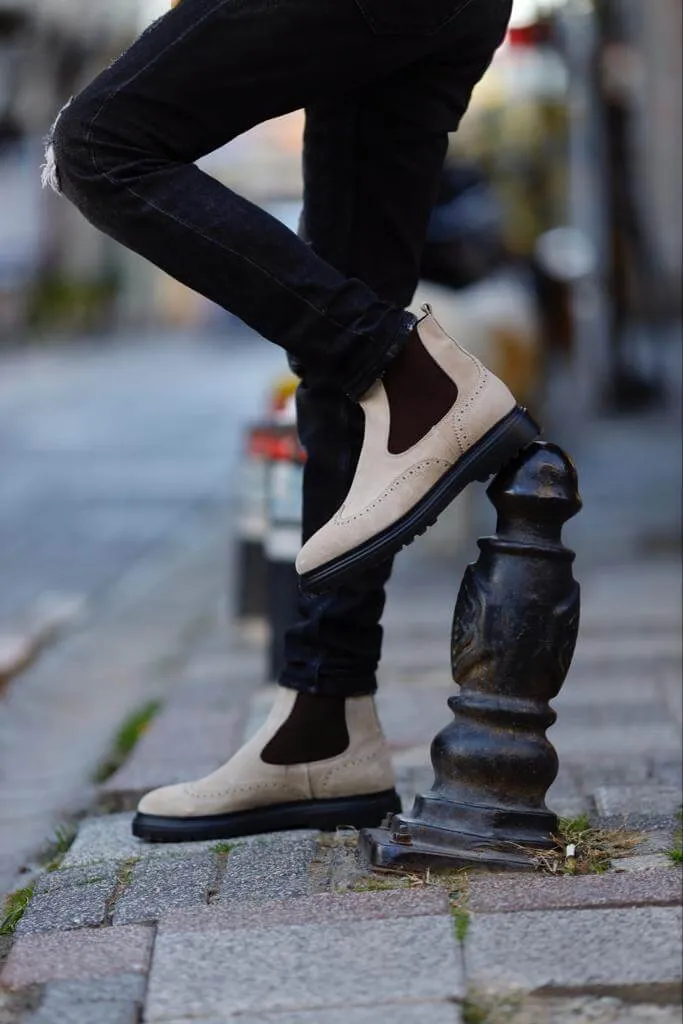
[444,833]
[377,847]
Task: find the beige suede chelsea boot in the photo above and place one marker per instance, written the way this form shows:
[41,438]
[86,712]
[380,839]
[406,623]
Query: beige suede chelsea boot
[399,490]
[249,795]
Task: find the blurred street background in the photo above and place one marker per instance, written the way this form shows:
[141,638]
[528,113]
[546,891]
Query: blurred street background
[554,253]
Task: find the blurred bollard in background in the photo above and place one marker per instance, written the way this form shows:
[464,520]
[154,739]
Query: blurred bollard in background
[283,541]
[250,590]
[268,526]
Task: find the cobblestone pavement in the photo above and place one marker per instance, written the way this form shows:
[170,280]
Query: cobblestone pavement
[117,462]
[292,928]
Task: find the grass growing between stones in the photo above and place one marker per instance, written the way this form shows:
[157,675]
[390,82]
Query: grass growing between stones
[583,849]
[14,909]
[128,736]
[124,876]
[57,848]
[372,884]
[223,849]
[675,854]
[480,1008]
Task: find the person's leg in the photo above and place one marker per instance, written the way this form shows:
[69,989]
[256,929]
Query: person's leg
[123,151]
[372,169]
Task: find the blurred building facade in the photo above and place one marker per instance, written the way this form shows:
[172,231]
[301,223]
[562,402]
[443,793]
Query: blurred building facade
[52,263]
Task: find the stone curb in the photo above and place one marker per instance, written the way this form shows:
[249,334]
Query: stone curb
[79,955]
[20,648]
[321,909]
[504,895]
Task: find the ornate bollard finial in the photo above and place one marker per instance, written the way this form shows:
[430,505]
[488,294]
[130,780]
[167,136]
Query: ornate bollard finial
[514,632]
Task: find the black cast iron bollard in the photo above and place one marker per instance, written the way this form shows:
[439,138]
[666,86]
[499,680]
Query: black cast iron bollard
[514,631]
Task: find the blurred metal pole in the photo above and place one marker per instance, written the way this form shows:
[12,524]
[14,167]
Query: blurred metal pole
[282,542]
[588,205]
[250,594]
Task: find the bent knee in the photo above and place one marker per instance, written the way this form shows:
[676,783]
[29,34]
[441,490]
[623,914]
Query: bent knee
[69,153]
[89,150]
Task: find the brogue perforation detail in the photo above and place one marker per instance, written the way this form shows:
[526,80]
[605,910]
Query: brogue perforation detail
[355,762]
[460,412]
[341,520]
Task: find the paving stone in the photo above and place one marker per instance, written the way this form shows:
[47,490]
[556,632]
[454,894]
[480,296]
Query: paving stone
[181,744]
[336,867]
[613,951]
[89,953]
[84,906]
[580,1010]
[499,893]
[159,886]
[617,768]
[596,650]
[72,878]
[299,967]
[85,1013]
[270,868]
[658,838]
[396,1013]
[109,838]
[325,908]
[624,741]
[638,801]
[119,988]
[644,862]
[411,715]
[668,773]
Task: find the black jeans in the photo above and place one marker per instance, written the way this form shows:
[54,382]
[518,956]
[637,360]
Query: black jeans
[382,82]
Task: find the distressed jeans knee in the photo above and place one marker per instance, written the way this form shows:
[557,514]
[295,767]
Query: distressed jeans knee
[71,166]
[50,176]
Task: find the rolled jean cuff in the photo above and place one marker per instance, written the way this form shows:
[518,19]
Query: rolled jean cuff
[377,364]
[331,686]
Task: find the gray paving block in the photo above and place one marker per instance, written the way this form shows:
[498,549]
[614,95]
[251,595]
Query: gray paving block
[304,967]
[158,886]
[86,954]
[396,1013]
[85,1013]
[326,908]
[500,893]
[118,988]
[638,801]
[268,868]
[641,862]
[109,838]
[581,1010]
[614,951]
[84,906]
[624,741]
[73,878]
[335,867]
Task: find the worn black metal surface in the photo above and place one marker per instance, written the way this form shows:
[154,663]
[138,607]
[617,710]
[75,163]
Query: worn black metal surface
[514,631]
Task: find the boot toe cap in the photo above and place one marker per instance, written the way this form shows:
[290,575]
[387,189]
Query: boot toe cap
[167,802]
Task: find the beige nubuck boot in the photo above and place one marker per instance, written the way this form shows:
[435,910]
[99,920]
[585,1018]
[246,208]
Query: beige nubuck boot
[247,796]
[395,497]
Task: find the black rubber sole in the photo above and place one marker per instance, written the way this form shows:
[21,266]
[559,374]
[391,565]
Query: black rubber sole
[325,815]
[485,458]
